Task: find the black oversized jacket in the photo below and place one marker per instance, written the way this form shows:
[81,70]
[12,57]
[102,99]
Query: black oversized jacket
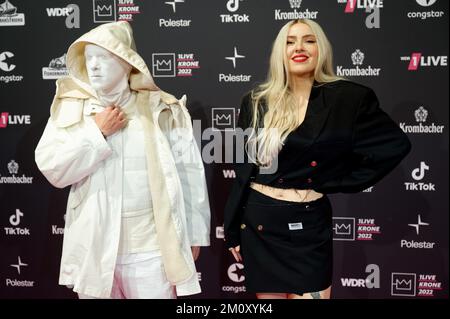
[345,144]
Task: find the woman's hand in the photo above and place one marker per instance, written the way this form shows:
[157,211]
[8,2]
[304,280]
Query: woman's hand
[195,252]
[110,120]
[236,253]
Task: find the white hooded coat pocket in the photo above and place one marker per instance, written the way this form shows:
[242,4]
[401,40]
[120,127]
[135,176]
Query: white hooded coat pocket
[78,192]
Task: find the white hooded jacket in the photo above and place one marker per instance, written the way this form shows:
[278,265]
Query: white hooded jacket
[72,151]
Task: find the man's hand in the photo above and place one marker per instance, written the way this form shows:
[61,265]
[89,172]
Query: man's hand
[111,120]
[195,252]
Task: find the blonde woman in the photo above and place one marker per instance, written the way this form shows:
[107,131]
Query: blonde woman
[326,135]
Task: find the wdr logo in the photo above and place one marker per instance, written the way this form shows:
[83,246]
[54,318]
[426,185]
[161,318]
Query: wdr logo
[372,7]
[370,282]
[71,12]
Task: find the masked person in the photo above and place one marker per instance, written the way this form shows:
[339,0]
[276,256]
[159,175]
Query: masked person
[138,208]
[315,134]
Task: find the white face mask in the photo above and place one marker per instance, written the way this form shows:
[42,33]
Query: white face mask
[108,74]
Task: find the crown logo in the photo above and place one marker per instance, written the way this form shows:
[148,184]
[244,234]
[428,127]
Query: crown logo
[13,167]
[343,229]
[295,4]
[421,114]
[223,119]
[104,10]
[357,57]
[403,284]
[163,65]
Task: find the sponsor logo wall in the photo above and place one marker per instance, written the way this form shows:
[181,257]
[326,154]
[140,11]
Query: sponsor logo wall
[391,240]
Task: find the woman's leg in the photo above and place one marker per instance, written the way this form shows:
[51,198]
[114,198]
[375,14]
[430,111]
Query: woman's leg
[324,294]
[271,295]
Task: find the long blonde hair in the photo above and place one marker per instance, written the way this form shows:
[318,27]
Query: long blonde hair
[283,112]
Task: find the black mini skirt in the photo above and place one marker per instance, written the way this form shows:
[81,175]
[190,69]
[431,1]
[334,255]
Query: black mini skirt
[287,247]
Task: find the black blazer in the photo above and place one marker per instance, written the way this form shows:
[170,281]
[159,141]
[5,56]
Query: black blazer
[345,144]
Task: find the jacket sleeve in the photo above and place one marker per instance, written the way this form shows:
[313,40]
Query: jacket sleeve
[378,146]
[67,155]
[233,207]
[191,172]
[195,194]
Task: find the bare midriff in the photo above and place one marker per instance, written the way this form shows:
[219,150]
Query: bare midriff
[288,194]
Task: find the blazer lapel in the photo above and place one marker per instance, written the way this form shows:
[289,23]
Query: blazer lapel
[299,141]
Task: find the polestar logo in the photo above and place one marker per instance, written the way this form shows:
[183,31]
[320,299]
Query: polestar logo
[419,223]
[19,264]
[236,56]
[174,4]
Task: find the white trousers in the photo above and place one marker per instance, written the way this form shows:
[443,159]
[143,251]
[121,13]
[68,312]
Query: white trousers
[140,276]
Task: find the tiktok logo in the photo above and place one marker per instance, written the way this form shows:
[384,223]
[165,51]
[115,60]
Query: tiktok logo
[233,5]
[419,173]
[15,218]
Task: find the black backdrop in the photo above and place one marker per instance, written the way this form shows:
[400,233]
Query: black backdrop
[391,241]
